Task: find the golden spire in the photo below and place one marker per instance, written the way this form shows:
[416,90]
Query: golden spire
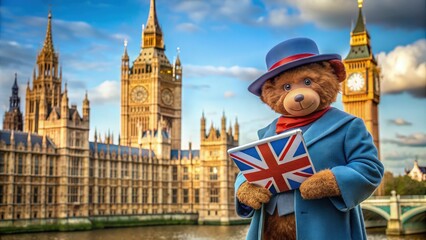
[177,61]
[152,24]
[86,99]
[125,55]
[48,42]
[360,24]
[152,35]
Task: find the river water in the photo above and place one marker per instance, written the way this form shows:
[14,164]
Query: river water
[168,232]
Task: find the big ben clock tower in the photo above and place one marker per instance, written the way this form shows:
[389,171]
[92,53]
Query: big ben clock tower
[361,89]
[151,88]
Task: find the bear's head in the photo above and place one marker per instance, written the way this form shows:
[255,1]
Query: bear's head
[305,89]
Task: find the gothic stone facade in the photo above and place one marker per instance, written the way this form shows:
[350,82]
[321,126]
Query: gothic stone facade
[52,171]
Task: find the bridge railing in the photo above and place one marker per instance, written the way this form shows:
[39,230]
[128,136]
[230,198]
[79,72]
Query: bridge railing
[400,197]
[412,197]
[378,197]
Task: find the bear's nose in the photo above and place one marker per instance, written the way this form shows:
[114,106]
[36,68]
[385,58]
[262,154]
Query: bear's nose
[299,97]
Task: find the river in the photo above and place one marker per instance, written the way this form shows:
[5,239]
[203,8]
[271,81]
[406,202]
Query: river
[168,232]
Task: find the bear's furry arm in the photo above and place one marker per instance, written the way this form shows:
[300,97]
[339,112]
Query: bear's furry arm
[249,197]
[241,209]
[362,174]
[252,195]
[319,185]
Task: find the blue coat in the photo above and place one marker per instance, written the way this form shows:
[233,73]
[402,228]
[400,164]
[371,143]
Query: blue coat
[340,142]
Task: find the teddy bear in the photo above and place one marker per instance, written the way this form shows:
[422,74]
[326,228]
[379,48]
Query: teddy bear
[300,86]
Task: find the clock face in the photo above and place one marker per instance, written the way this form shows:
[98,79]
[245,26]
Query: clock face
[139,94]
[167,97]
[356,82]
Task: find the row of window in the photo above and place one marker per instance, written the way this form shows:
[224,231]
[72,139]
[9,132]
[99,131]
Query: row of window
[113,172]
[124,193]
[35,164]
[145,69]
[75,195]
[214,195]
[138,124]
[356,65]
[75,169]
[185,195]
[213,173]
[19,195]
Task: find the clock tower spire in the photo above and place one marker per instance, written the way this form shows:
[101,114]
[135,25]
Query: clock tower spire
[361,89]
[152,36]
[151,88]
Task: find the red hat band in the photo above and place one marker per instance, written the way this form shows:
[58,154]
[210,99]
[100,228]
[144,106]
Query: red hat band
[290,59]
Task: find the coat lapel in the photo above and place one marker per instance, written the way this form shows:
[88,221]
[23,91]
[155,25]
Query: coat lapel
[326,125]
[268,131]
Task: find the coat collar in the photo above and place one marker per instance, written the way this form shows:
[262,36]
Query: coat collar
[324,126]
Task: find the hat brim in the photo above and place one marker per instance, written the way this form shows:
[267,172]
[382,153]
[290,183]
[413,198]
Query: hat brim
[256,86]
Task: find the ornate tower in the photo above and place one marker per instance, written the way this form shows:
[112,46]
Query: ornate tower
[47,82]
[151,89]
[361,89]
[13,118]
[48,114]
[217,172]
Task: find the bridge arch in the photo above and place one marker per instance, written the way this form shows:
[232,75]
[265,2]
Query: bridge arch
[376,210]
[411,213]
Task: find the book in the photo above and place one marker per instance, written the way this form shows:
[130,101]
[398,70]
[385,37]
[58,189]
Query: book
[279,163]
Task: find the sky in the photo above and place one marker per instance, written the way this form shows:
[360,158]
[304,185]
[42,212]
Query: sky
[222,45]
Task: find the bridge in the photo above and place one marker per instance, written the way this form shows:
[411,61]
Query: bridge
[401,215]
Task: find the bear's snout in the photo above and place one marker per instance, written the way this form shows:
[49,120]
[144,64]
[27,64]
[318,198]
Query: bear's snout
[301,101]
[299,97]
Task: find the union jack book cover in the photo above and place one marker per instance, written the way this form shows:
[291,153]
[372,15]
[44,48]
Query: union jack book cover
[279,163]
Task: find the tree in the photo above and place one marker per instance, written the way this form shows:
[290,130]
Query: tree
[404,185]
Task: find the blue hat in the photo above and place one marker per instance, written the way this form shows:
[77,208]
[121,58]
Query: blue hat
[289,54]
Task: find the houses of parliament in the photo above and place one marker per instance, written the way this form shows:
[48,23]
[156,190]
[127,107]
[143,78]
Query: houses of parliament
[50,171]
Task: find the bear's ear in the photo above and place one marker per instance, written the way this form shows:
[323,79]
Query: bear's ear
[339,69]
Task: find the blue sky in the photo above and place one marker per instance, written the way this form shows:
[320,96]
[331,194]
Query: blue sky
[222,49]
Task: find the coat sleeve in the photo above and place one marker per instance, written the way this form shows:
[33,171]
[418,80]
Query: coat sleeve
[363,171]
[242,210]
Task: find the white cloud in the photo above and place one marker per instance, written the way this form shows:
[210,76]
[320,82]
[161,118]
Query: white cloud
[196,10]
[229,94]
[88,65]
[242,73]
[13,59]
[120,36]
[188,27]
[399,122]
[397,161]
[404,69]
[196,86]
[413,140]
[229,10]
[398,155]
[325,13]
[280,18]
[340,13]
[107,92]
[15,55]
[70,30]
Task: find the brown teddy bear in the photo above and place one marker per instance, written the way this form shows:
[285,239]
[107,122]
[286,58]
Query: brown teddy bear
[300,85]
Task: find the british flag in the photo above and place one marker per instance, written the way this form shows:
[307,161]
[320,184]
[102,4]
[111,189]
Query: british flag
[278,165]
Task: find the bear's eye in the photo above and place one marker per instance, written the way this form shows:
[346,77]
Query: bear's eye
[308,81]
[287,87]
